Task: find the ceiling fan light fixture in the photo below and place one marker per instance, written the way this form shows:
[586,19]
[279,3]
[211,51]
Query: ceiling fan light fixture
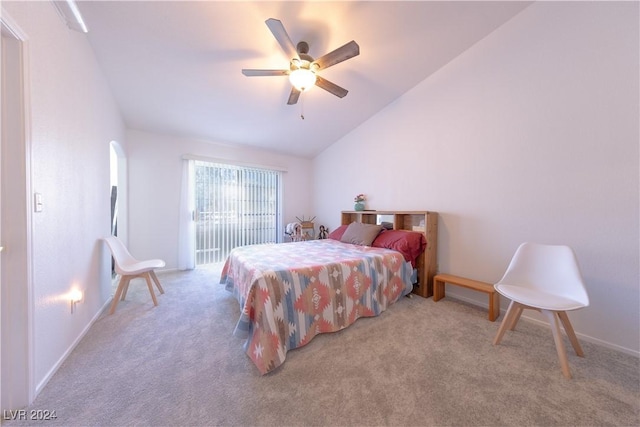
[303,69]
[302,79]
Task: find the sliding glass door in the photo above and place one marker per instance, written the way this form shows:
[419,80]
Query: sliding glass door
[234,206]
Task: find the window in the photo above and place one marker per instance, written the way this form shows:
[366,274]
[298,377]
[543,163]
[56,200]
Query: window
[235,206]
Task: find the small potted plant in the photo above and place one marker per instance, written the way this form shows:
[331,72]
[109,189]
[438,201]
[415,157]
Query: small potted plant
[359,202]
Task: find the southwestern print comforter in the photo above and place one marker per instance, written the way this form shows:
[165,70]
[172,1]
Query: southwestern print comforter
[291,292]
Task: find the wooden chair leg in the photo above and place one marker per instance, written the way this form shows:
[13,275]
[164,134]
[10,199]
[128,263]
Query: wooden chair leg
[124,281]
[147,277]
[570,333]
[511,312]
[125,289]
[516,317]
[557,337]
[157,282]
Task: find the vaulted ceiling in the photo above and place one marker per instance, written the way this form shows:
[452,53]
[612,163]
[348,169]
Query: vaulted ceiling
[175,67]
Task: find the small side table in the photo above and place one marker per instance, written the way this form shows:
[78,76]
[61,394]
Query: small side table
[308,230]
[494,298]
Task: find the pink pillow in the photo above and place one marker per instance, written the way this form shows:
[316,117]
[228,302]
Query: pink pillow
[409,243]
[338,232]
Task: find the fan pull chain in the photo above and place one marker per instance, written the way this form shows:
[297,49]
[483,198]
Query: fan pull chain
[302,105]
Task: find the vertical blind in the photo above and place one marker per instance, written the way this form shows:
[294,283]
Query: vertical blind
[235,206]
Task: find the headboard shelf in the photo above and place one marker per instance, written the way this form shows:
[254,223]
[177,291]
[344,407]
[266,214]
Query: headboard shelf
[425,222]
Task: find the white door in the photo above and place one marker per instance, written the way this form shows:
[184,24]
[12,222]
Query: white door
[16,390]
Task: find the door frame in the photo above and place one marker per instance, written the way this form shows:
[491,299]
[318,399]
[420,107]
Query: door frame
[123,194]
[16,345]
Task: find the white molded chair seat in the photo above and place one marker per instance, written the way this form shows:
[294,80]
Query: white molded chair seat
[545,278]
[129,268]
[542,300]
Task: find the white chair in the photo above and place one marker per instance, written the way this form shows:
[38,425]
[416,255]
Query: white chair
[129,268]
[545,278]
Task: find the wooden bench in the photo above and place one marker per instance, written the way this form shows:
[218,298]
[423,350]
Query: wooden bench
[494,298]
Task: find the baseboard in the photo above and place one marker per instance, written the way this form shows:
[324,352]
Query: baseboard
[584,337]
[66,354]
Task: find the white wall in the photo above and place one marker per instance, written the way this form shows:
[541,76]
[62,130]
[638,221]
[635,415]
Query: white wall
[155,174]
[531,135]
[73,118]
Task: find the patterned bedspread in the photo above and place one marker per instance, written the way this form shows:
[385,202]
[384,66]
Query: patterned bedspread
[291,292]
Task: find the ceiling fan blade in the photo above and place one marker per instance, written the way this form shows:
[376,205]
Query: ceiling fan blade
[278,31]
[251,73]
[342,53]
[293,96]
[331,87]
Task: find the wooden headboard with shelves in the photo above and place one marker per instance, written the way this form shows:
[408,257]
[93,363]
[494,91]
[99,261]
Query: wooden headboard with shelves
[427,263]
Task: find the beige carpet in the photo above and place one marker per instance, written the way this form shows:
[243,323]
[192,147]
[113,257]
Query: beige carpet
[419,363]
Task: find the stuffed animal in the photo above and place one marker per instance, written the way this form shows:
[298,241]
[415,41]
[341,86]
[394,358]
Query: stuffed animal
[322,234]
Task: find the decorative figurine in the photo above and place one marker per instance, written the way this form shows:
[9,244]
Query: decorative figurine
[322,234]
[294,231]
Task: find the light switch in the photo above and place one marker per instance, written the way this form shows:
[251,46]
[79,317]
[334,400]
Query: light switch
[37,202]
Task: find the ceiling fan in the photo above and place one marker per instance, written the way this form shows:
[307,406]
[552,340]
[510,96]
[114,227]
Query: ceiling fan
[303,69]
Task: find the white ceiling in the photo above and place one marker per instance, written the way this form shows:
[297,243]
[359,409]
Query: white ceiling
[175,67]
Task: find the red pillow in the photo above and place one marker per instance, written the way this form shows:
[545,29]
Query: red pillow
[338,232]
[409,243]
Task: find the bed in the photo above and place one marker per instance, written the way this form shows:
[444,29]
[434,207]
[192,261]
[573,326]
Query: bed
[291,292]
